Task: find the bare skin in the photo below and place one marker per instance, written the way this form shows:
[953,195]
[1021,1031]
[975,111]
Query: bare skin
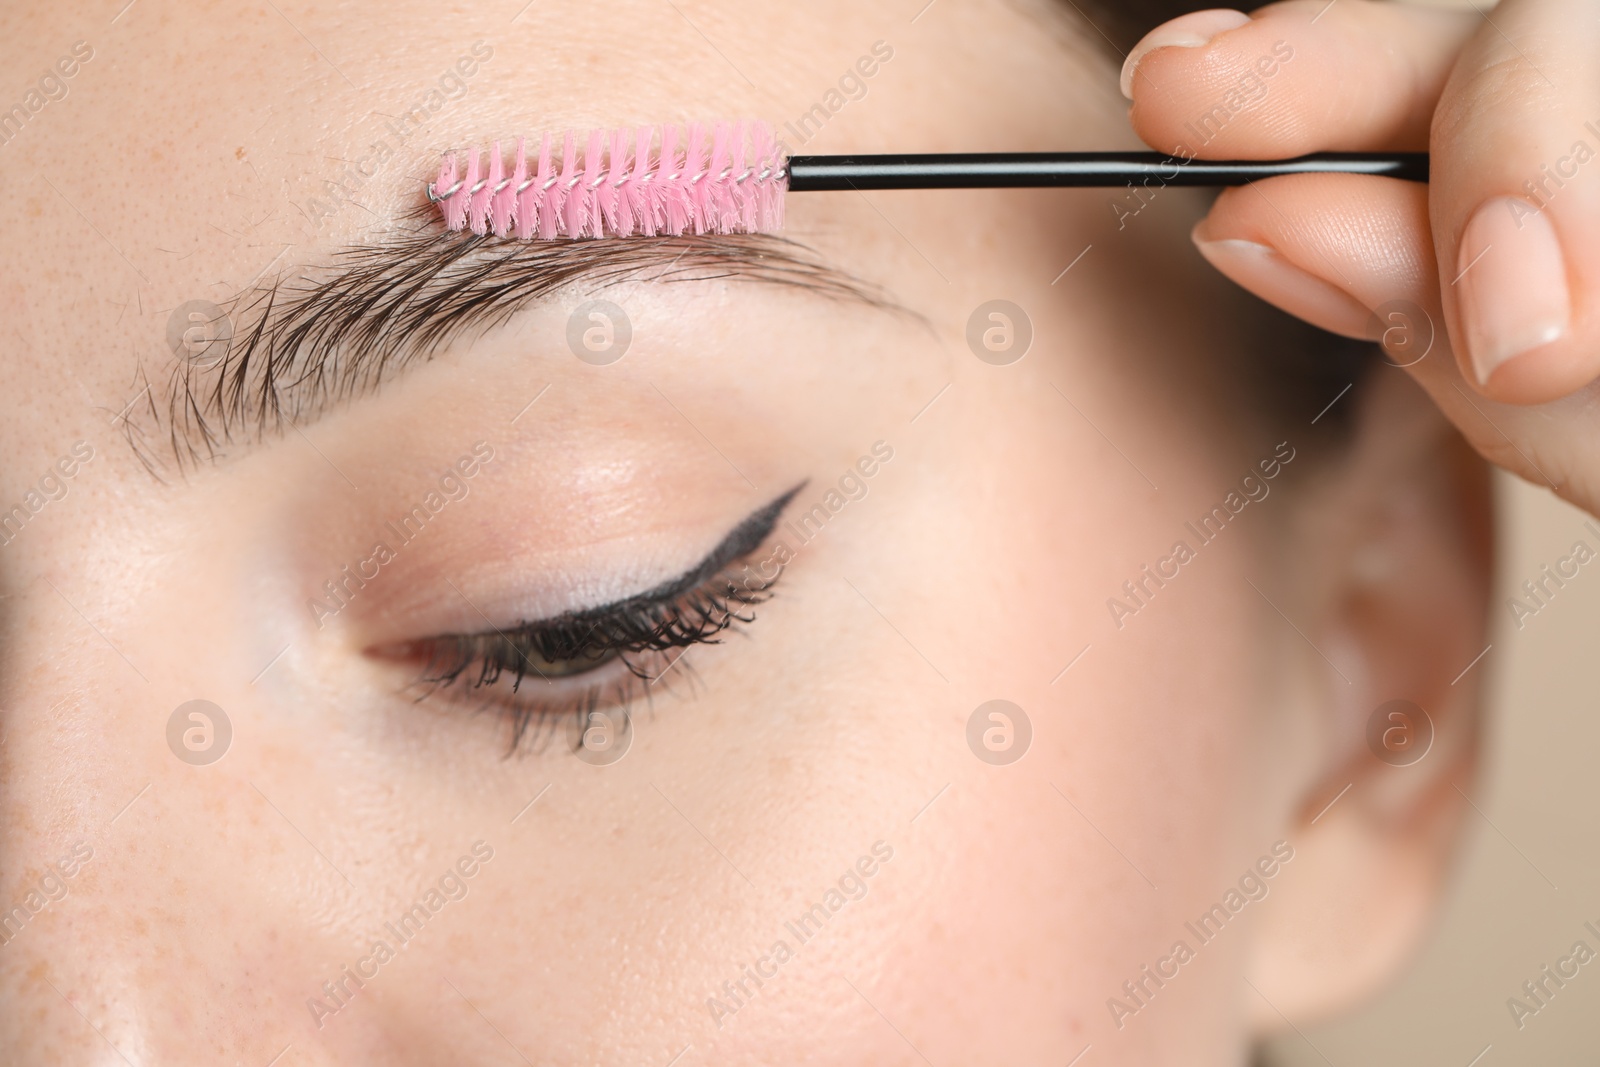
[985,913]
[1494,260]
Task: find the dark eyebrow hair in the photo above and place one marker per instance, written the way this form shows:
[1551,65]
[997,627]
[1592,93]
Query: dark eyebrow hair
[305,344]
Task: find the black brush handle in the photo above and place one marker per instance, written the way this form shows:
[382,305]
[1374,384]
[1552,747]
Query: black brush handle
[1079,169]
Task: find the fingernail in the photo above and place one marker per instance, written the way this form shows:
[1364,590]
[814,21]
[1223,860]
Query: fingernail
[1513,281]
[1265,272]
[1189,31]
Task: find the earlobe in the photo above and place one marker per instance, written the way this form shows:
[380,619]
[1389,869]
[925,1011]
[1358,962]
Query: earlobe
[1399,599]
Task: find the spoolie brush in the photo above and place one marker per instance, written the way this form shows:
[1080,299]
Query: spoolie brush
[710,185]
[732,178]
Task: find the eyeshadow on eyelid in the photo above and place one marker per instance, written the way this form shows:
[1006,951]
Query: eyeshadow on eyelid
[489,600]
[742,540]
[577,659]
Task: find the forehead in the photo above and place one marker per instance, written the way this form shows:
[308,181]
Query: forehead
[197,147]
[201,103]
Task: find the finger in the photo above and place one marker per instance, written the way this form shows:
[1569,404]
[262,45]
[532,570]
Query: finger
[1328,248]
[1297,77]
[1516,200]
[1338,249]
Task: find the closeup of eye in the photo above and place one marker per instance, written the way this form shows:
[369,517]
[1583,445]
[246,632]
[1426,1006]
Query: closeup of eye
[536,671]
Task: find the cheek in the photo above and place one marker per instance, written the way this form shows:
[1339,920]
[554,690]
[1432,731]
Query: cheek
[1075,889]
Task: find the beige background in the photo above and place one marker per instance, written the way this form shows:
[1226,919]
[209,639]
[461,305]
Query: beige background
[1539,796]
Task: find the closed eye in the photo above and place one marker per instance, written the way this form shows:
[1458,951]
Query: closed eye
[580,660]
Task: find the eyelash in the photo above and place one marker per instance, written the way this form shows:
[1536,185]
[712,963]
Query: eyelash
[639,635]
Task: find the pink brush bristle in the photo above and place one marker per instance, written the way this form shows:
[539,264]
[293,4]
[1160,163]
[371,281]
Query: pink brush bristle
[719,210]
[696,167]
[726,178]
[478,206]
[519,206]
[547,206]
[743,195]
[577,198]
[501,201]
[769,196]
[606,199]
[483,200]
[594,178]
[455,207]
[631,191]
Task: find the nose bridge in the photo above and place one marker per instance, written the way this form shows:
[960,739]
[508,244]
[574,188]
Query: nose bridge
[119,937]
[141,943]
[157,912]
[180,885]
[63,929]
[55,825]
[76,981]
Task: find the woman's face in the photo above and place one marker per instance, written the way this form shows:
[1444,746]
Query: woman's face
[810,839]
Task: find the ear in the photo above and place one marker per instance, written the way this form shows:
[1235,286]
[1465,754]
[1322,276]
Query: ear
[1394,592]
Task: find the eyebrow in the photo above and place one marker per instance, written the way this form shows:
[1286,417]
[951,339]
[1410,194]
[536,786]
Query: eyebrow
[301,346]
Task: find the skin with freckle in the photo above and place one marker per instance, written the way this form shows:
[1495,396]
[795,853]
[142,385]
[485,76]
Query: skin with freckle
[973,909]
